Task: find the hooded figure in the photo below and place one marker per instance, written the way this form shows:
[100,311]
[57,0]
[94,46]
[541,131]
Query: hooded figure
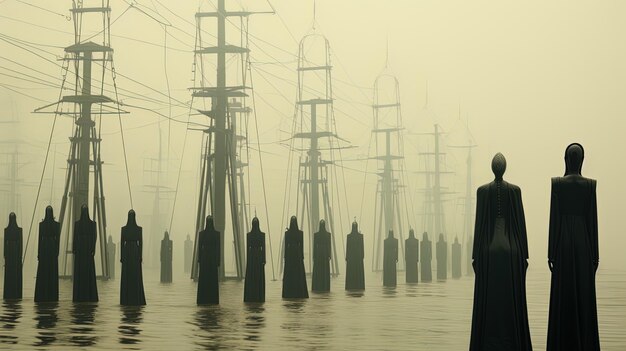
[208,264]
[188,254]
[84,249]
[131,287]
[411,254]
[573,258]
[355,252]
[442,258]
[12,260]
[294,277]
[390,260]
[254,286]
[321,259]
[111,248]
[166,258]
[500,317]
[456,259]
[426,254]
[47,283]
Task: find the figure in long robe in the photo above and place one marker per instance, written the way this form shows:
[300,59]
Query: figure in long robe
[166,258]
[84,249]
[12,260]
[321,259]
[131,257]
[188,254]
[411,255]
[47,283]
[208,264]
[456,259]
[390,260]
[442,258]
[294,276]
[111,249]
[468,250]
[355,253]
[500,317]
[573,258]
[426,257]
[254,285]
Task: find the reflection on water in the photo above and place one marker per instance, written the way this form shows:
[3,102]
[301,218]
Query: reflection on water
[208,320]
[46,317]
[254,321]
[130,323]
[83,332]
[10,317]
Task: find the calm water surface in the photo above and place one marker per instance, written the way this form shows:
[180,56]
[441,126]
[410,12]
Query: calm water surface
[433,316]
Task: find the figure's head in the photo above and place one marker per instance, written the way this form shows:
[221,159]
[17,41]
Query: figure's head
[574,156]
[355,227]
[188,237]
[110,239]
[166,236]
[132,219]
[425,236]
[49,213]
[12,219]
[255,224]
[411,233]
[84,212]
[322,225]
[456,239]
[293,223]
[209,223]
[440,237]
[498,165]
[390,233]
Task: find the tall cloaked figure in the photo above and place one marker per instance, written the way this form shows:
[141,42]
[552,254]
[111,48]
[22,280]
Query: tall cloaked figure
[254,286]
[12,260]
[390,260]
[294,277]
[411,255]
[47,283]
[355,253]
[500,317]
[84,249]
[188,254]
[166,258]
[131,257]
[111,249]
[573,258]
[208,264]
[426,257]
[321,259]
[456,259]
[442,258]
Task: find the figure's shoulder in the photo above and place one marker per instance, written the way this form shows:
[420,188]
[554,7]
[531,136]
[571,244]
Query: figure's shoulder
[483,188]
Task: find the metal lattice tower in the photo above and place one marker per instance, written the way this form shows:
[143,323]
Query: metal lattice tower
[468,209]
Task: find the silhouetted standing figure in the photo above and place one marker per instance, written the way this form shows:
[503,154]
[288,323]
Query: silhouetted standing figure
[84,249]
[111,247]
[442,258]
[12,260]
[321,259]
[208,264]
[47,283]
[131,257]
[500,317]
[294,276]
[411,255]
[390,260]
[456,259]
[188,254]
[573,258]
[254,286]
[426,257]
[468,250]
[355,253]
[166,258]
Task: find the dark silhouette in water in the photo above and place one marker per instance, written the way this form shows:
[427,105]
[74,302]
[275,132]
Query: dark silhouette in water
[12,260]
[320,281]
[573,258]
[500,317]
[442,258]
[166,258]
[390,260]
[131,252]
[111,248]
[84,248]
[355,252]
[47,284]
[426,257]
[254,285]
[294,277]
[411,255]
[188,254]
[456,259]
[208,264]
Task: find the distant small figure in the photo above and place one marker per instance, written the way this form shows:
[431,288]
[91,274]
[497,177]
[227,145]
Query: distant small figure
[84,249]
[468,250]
[411,255]
[166,258]
[321,259]
[500,317]
[390,261]
[573,258]
[442,258]
[254,286]
[456,259]
[188,254]
[294,276]
[12,260]
[47,283]
[111,249]
[131,257]
[355,253]
[209,251]
[426,256]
